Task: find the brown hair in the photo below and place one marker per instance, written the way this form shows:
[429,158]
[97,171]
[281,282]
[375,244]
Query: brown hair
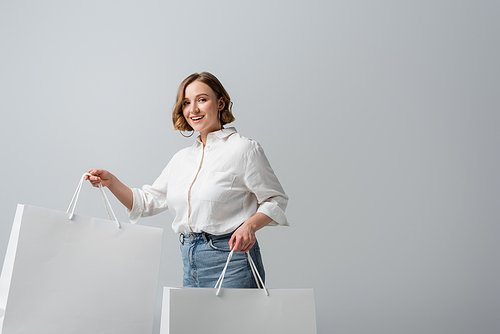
[225,115]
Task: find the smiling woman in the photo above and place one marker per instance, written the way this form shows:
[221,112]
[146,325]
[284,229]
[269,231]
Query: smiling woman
[221,190]
[211,88]
[201,108]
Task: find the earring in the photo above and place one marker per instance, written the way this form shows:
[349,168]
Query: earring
[192,133]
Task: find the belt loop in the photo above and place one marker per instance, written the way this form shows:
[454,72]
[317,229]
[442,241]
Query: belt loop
[205,237]
[181,238]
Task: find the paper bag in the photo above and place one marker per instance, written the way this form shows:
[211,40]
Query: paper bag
[82,276]
[242,311]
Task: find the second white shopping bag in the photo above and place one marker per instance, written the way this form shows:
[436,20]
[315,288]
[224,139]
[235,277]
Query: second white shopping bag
[71,274]
[242,311]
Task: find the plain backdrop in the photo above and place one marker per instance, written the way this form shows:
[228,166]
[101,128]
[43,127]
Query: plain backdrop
[380,119]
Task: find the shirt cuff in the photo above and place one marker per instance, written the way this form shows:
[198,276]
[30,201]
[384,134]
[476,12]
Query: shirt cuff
[135,213]
[274,212]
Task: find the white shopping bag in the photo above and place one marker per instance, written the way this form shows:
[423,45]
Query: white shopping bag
[242,311]
[81,275]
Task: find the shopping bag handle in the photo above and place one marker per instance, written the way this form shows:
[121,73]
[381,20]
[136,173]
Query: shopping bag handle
[255,273]
[72,205]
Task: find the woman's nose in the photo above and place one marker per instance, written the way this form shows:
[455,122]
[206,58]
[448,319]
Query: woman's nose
[194,108]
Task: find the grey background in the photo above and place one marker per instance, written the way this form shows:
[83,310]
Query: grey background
[379,117]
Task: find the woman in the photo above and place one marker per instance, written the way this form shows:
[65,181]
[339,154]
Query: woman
[221,190]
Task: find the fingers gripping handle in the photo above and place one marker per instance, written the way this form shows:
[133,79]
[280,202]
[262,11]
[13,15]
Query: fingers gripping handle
[72,205]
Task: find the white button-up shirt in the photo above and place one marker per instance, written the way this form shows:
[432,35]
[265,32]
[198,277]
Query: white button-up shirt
[215,188]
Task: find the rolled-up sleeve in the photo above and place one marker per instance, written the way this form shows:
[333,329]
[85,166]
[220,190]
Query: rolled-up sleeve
[150,199]
[261,181]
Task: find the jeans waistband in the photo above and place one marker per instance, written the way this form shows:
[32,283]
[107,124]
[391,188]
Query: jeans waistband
[191,237]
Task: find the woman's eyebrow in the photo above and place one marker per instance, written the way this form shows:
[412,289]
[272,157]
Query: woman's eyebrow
[201,94]
[197,96]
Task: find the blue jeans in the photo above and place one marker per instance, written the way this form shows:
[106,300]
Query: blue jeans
[204,257]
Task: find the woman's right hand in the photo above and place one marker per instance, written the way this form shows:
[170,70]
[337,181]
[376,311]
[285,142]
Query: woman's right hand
[121,191]
[99,176]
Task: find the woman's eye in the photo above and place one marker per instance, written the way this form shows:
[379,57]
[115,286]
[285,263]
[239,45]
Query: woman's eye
[185,103]
[202,99]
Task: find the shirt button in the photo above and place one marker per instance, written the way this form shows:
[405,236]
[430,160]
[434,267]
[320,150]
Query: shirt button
[208,146]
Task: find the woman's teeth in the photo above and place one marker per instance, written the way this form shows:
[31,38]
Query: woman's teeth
[197,118]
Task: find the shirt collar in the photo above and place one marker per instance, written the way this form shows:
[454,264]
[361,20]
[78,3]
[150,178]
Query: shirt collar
[221,134]
[224,132]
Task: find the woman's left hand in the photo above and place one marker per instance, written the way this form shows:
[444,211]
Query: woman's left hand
[243,238]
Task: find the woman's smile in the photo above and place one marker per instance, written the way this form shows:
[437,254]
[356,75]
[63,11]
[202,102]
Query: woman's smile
[197,119]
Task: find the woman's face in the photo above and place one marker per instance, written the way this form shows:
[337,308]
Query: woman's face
[200,108]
